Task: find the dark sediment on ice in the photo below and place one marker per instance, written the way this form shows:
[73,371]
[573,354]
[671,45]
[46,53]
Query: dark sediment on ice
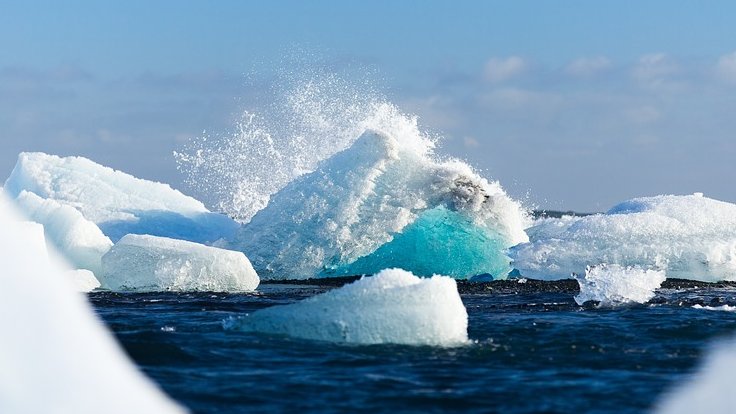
[507,286]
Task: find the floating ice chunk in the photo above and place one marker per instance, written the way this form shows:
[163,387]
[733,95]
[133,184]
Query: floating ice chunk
[79,240]
[615,285]
[56,357]
[117,202]
[393,306]
[150,263]
[709,390]
[384,202]
[692,237]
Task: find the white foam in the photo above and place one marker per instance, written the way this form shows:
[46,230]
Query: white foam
[150,263]
[117,202]
[56,357]
[722,308]
[612,285]
[692,237]
[393,306]
[79,240]
[332,221]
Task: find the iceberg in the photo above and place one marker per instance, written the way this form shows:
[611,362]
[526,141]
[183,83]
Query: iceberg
[78,239]
[116,202]
[612,285]
[708,390]
[385,201]
[393,306]
[56,356]
[150,263]
[691,237]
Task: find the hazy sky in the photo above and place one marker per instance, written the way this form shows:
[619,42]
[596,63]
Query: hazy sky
[570,104]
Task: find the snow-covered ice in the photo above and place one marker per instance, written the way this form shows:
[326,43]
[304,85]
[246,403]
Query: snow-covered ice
[692,237]
[150,263]
[385,202]
[612,285]
[392,306]
[117,202]
[56,356]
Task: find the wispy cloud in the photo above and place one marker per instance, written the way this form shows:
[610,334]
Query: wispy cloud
[726,67]
[655,70]
[588,66]
[502,69]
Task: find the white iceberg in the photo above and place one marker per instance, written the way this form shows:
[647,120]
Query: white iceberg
[79,240]
[708,390]
[612,285]
[150,263]
[392,306]
[385,202]
[692,237]
[115,201]
[56,356]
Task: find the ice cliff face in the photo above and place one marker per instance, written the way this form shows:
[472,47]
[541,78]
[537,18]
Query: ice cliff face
[384,202]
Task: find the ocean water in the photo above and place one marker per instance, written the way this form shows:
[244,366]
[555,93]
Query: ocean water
[534,350]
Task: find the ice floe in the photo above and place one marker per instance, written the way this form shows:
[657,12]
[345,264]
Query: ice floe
[150,263]
[116,202]
[691,237]
[393,306]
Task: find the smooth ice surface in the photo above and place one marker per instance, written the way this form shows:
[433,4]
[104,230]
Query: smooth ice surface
[691,237]
[117,202]
[710,390]
[150,263]
[392,306]
[612,285]
[56,357]
[79,240]
[385,201]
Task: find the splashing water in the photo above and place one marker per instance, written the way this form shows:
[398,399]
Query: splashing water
[310,118]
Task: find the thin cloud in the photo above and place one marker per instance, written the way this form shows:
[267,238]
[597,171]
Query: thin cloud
[654,70]
[588,66]
[726,67]
[502,69]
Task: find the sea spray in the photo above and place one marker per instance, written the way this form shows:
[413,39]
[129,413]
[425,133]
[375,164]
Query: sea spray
[385,201]
[333,180]
[307,118]
[612,285]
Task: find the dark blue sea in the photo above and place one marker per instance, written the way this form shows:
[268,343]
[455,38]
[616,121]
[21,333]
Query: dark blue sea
[534,351]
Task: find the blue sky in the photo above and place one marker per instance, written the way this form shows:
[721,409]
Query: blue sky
[570,104]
